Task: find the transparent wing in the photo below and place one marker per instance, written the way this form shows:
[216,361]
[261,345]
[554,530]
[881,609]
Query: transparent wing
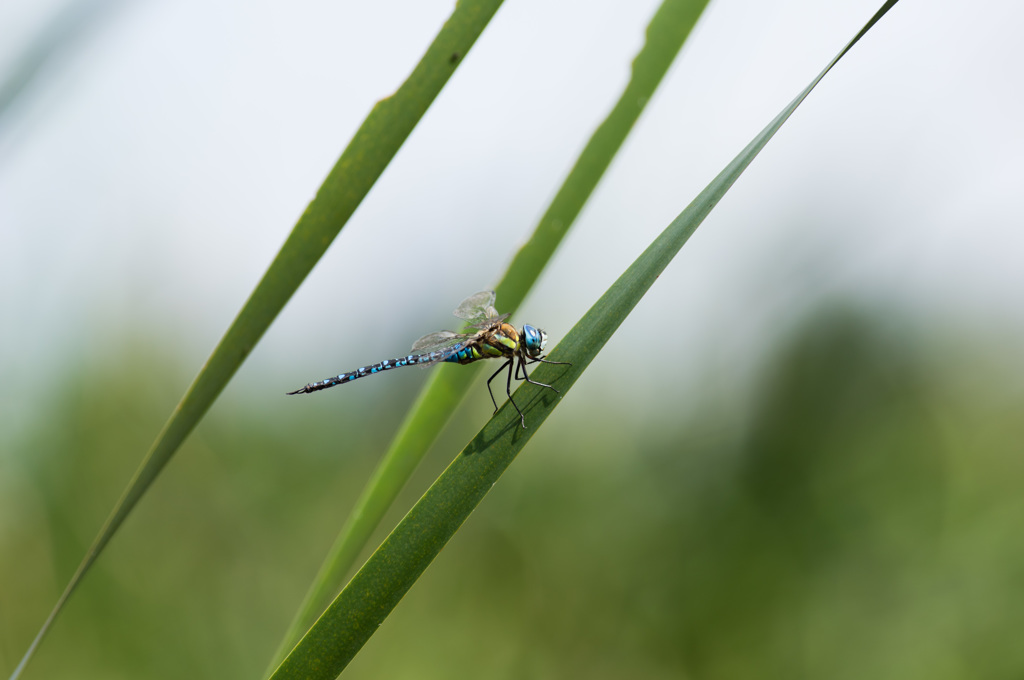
[477,311]
[445,343]
[488,321]
[476,307]
[433,342]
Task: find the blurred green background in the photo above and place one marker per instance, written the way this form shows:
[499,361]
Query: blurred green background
[855,512]
[800,456]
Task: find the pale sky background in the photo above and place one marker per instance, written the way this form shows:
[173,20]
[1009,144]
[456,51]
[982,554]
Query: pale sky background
[153,167]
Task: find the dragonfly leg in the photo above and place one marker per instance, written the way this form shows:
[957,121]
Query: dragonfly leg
[542,360]
[508,390]
[521,366]
[503,367]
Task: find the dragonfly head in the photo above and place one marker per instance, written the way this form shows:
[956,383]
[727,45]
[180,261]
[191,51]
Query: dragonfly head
[534,340]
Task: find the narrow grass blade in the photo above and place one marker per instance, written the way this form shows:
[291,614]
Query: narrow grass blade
[666,33]
[378,586]
[371,149]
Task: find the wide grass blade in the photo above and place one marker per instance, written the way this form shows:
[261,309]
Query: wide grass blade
[666,34]
[364,159]
[389,573]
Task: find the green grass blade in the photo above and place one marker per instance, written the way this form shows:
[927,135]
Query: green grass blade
[374,145]
[389,573]
[666,34]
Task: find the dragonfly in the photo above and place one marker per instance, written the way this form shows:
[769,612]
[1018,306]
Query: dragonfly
[487,337]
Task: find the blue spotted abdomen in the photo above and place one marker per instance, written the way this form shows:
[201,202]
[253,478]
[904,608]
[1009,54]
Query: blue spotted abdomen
[386,365]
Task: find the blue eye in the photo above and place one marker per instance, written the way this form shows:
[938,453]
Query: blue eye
[534,340]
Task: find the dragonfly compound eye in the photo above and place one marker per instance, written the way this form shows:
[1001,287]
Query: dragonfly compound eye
[534,339]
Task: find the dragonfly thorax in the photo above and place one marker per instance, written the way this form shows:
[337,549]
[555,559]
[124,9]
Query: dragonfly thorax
[534,340]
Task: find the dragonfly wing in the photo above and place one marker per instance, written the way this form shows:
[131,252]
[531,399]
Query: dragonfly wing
[489,321]
[476,307]
[435,341]
[477,311]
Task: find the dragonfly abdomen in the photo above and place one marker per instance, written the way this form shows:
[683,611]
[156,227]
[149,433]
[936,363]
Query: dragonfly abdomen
[386,365]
